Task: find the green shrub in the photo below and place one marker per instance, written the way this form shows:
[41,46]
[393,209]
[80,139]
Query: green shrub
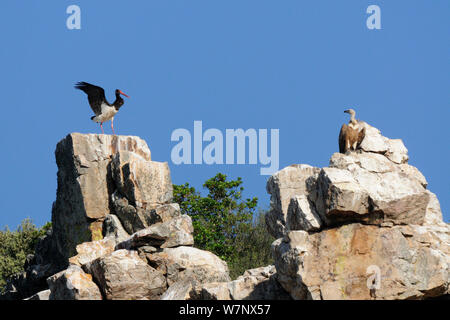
[225,224]
[16,245]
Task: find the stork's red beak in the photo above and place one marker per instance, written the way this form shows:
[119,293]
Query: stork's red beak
[121,92]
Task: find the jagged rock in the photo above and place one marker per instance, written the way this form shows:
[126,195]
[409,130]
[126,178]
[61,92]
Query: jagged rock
[258,284]
[41,295]
[211,291]
[135,219]
[112,228]
[164,213]
[335,263]
[302,215]
[73,284]
[433,213]
[172,233]
[180,290]
[85,185]
[89,251]
[142,182]
[189,263]
[368,187]
[374,142]
[282,186]
[123,275]
[357,187]
[254,284]
[397,151]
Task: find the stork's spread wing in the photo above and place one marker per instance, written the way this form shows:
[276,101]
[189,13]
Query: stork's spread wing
[342,137]
[96,95]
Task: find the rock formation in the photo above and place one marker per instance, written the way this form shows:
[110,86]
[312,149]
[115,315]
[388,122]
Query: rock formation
[116,233]
[365,227]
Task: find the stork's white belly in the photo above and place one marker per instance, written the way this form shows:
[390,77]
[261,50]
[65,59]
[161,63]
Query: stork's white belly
[108,112]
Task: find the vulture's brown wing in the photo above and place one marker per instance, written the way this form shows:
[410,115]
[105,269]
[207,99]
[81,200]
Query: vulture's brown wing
[342,137]
[361,135]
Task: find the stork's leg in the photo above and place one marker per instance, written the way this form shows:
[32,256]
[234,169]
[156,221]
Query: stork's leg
[112,125]
[101,126]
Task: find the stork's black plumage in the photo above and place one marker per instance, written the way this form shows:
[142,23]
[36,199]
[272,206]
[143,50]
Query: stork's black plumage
[103,110]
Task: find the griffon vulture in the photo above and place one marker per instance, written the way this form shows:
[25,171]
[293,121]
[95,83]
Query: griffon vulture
[351,135]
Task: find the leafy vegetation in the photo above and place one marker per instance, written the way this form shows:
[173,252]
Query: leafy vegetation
[226,224]
[16,245]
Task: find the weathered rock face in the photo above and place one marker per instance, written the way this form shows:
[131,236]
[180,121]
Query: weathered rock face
[115,225]
[372,189]
[412,262]
[188,263]
[282,186]
[73,284]
[89,251]
[172,233]
[112,228]
[122,275]
[374,185]
[254,284]
[41,295]
[363,228]
[85,184]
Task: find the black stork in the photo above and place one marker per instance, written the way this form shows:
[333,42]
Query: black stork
[104,111]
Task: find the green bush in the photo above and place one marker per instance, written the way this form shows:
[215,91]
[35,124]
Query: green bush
[16,245]
[225,224]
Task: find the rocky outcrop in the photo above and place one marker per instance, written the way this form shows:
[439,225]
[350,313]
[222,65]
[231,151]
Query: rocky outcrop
[254,284]
[365,227]
[73,284]
[85,185]
[116,232]
[188,263]
[123,275]
[282,186]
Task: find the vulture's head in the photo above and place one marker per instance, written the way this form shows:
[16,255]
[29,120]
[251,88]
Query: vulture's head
[350,112]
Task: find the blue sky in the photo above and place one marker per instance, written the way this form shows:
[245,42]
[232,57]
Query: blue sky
[287,65]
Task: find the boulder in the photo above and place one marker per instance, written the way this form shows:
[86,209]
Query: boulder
[112,228]
[357,261]
[433,213]
[254,284]
[123,275]
[41,295]
[181,290]
[73,284]
[172,233]
[392,149]
[368,188]
[258,284]
[141,181]
[282,186]
[189,263]
[302,215]
[89,251]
